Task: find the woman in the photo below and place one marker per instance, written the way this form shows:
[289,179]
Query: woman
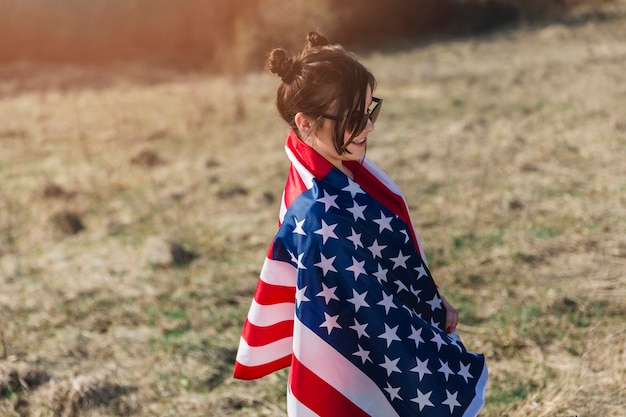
[345,296]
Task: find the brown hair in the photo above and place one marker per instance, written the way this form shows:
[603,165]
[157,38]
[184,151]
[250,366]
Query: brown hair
[323,75]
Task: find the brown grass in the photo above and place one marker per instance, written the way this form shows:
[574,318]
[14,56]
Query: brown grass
[509,147]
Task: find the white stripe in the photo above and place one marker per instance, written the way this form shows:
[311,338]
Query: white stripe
[296,409]
[260,355]
[479,399]
[279,273]
[314,353]
[304,173]
[267,315]
[283,209]
[382,176]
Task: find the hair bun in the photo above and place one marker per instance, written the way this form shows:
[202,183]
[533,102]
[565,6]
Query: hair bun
[315,39]
[282,65]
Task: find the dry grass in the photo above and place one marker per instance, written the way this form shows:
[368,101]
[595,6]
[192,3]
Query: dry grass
[510,149]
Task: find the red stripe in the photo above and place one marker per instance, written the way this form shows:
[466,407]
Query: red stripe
[268,294]
[318,396]
[294,187]
[271,250]
[374,187]
[261,336]
[253,372]
[315,163]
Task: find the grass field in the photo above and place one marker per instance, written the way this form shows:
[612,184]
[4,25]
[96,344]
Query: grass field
[137,205]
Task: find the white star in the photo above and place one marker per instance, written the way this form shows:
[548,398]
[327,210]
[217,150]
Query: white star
[445,369]
[464,372]
[423,400]
[383,222]
[357,268]
[327,293]
[400,260]
[298,229]
[435,303]
[330,322]
[401,286]
[406,235]
[327,231]
[353,188]
[328,200]
[357,211]
[451,400]
[381,274]
[390,365]
[326,264]
[421,271]
[363,354]
[416,293]
[355,238]
[416,336]
[359,329]
[422,368]
[393,392]
[390,334]
[387,302]
[376,249]
[437,339]
[300,297]
[297,261]
[358,300]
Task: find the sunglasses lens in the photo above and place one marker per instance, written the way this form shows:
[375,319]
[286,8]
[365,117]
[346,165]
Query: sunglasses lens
[358,123]
[375,112]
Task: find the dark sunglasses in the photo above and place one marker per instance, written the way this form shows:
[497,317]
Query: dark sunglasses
[357,122]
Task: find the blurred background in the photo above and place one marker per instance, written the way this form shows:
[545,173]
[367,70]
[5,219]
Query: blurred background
[236,34]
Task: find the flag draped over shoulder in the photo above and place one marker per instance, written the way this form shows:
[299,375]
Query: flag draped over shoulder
[346,299]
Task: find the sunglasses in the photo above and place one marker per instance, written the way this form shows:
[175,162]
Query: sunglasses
[357,123]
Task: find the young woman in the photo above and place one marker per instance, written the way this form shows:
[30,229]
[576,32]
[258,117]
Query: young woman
[345,297]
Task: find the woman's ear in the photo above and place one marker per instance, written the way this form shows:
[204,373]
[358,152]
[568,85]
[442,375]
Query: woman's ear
[303,123]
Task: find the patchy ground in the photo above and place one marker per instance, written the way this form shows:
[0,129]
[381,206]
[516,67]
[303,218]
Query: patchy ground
[137,206]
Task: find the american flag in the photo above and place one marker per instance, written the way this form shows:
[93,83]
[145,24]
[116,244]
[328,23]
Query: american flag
[346,299]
